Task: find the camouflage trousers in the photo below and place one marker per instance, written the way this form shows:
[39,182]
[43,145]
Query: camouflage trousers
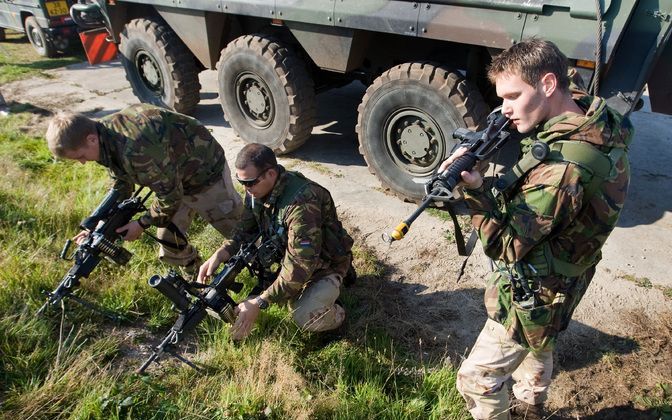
[494,359]
[316,309]
[220,205]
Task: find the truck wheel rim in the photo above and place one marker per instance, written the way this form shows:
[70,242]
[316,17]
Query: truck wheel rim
[414,141]
[255,100]
[149,72]
[36,38]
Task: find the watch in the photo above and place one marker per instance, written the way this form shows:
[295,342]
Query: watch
[261,303]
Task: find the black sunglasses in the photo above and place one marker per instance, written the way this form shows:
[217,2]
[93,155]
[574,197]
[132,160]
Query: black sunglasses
[252,181]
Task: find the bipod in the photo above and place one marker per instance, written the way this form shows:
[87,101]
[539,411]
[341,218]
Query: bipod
[85,303]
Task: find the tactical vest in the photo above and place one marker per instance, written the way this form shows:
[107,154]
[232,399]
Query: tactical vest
[335,238]
[295,183]
[600,167]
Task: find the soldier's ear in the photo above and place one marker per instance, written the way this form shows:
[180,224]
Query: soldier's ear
[92,139]
[549,84]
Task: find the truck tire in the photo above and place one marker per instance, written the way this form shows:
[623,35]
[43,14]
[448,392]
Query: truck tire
[406,121]
[266,93]
[38,38]
[160,68]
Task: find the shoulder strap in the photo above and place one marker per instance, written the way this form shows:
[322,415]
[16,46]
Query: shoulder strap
[600,165]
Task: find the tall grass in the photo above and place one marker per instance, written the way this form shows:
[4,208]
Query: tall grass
[77,364]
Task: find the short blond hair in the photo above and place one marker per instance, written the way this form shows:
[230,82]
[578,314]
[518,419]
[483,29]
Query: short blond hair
[67,131]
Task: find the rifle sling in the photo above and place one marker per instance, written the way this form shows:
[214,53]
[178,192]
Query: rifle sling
[175,230]
[459,238]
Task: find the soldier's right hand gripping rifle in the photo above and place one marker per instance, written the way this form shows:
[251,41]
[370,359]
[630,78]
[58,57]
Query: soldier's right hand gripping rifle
[101,242]
[192,304]
[480,145]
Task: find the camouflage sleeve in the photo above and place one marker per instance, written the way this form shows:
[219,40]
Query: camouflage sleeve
[245,231]
[168,194]
[302,257]
[125,188]
[158,170]
[549,199]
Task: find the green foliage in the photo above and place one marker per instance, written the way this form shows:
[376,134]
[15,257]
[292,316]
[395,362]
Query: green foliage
[658,401]
[77,364]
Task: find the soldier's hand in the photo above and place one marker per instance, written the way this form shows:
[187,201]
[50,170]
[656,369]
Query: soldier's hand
[81,237]
[246,313]
[210,265]
[131,231]
[470,179]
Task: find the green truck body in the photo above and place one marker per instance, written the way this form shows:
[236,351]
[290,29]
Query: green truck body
[424,63]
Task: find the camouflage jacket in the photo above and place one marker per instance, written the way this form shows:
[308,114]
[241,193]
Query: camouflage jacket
[302,216]
[546,217]
[172,154]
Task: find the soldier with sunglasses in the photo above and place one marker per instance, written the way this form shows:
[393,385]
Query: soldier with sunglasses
[301,216]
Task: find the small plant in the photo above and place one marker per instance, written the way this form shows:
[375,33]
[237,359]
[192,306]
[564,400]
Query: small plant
[659,401]
[639,281]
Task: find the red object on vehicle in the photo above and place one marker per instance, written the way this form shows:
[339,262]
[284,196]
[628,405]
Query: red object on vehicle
[98,49]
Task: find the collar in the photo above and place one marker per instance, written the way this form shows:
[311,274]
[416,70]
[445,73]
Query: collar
[278,188]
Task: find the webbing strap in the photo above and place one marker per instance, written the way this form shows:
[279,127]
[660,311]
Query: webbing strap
[600,165]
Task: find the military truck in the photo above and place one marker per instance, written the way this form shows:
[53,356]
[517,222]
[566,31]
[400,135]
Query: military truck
[47,23]
[424,63]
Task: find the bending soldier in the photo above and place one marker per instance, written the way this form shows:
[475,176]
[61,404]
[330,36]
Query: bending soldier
[300,216]
[543,224]
[172,154]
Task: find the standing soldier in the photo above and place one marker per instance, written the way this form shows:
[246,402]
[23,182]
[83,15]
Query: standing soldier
[172,154]
[300,217]
[543,225]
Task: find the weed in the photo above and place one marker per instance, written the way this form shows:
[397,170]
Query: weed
[659,401]
[639,281]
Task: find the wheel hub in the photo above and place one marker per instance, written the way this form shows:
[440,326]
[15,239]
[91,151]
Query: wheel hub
[414,141]
[149,71]
[255,100]
[37,39]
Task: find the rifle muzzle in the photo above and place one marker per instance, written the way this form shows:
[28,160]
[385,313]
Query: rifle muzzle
[166,285]
[397,233]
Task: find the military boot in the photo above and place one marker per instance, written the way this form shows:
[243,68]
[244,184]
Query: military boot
[350,277]
[523,411]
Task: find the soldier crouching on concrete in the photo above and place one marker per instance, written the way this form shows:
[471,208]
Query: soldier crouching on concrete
[543,226]
[299,215]
[172,154]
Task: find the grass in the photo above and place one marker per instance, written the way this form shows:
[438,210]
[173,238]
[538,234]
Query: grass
[78,364]
[646,283]
[443,215]
[658,401]
[18,59]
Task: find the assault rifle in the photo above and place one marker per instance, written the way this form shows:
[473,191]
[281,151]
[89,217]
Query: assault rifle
[100,243]
[480,145]
[191,304]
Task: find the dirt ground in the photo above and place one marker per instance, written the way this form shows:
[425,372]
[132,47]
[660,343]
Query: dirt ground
[618,348]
